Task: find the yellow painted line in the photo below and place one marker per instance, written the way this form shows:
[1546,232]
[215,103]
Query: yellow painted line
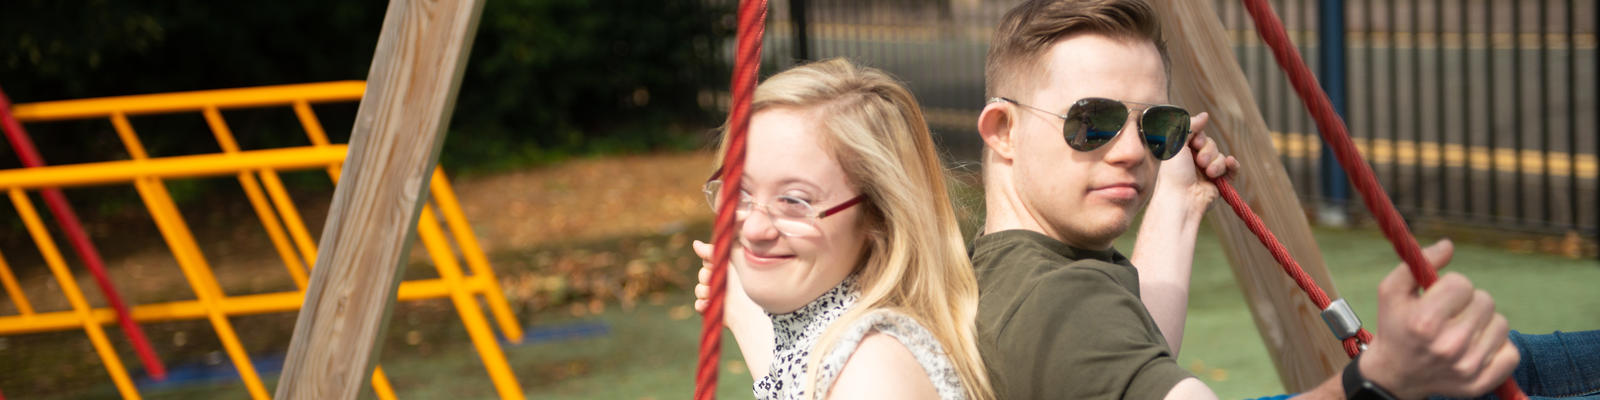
[171,167]
[264,96]
[1480,158]
[1428,40]
[951,118]
[915,33]
[193,309]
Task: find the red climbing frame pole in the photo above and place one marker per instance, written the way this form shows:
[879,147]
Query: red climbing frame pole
[1337,138]
[68,220]
[747,61]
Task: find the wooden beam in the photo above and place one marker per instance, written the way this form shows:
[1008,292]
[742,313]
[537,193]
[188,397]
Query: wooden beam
[411,90]
[1207,77]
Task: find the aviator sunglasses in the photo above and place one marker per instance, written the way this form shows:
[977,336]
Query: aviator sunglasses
[1092,122]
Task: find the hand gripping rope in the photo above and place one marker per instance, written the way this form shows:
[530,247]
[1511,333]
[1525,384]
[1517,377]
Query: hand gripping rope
[747,61]
[1335,135]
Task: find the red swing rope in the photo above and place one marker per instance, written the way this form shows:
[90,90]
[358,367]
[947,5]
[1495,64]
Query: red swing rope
[1334,133]
[68,221]
[1352,345]
[747,62]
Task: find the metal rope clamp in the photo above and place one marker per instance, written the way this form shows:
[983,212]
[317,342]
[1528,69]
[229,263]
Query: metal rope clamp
[1341,319]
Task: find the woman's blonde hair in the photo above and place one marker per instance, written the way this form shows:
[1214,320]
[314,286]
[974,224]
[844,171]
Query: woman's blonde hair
[915,261]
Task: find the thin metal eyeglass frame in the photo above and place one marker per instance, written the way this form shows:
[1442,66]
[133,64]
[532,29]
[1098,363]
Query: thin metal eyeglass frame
[815,216]
[1142,106]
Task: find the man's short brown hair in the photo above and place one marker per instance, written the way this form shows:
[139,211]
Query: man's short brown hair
[1028,30]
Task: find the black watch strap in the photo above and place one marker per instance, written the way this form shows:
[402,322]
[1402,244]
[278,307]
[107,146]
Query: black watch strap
[1357,387]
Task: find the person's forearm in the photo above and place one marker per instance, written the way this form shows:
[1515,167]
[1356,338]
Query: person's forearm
[1163,253]
[751,329]
[1333,389]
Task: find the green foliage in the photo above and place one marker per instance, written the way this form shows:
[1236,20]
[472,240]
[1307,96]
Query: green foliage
[546,79]
[566,76]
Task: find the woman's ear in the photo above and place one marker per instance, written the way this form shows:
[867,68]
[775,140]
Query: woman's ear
[995,124]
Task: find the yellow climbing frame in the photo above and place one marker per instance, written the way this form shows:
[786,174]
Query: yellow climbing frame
[257,172]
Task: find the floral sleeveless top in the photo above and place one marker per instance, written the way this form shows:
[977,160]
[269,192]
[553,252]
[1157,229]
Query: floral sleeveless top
[796,335]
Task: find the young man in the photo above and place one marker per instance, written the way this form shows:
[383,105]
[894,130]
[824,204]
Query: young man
[1073,87]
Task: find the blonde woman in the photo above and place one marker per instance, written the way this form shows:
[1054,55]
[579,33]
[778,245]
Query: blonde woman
[849,246]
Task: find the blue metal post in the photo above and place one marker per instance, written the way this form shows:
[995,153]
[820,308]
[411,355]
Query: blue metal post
[1331,48]
[802,31]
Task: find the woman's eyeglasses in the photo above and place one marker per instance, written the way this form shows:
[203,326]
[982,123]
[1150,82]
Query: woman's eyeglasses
[790,215]
[1092,122]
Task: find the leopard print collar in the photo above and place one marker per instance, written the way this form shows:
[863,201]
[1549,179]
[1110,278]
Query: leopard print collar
[795,334]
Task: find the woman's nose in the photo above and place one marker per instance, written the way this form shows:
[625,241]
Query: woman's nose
[758,226]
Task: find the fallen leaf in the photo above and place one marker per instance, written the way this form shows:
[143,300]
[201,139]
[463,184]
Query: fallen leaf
[680,313]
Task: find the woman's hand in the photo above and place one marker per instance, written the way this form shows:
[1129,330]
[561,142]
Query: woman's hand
[749,323]
[702,290]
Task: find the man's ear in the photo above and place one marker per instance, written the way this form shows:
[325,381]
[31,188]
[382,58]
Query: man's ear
[995,124]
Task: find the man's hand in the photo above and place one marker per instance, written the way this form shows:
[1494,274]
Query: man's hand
[1164,251]
[1447,341]
[1187,173]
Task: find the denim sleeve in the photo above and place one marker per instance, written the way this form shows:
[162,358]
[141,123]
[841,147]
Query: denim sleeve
[1564,365]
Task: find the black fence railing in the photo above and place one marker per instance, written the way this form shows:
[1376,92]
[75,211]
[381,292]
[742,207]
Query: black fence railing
[1479,112]
[1473,112]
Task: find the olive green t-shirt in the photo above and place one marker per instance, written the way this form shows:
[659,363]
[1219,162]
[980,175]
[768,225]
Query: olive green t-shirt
[1057,322]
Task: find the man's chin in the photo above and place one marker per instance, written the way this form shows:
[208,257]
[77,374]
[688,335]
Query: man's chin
[1097,232]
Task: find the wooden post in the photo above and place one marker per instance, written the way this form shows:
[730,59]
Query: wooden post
[411,90]
[1207,77]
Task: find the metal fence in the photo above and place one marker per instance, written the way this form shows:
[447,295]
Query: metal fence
[1478,112]
[1474,112]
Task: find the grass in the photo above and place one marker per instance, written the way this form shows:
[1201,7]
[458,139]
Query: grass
[1537,293]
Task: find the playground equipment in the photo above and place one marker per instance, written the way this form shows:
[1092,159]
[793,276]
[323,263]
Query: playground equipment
[67,219]
[394,145]
[258,174]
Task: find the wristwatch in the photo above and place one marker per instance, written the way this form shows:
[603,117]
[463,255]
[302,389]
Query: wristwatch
[1357,387]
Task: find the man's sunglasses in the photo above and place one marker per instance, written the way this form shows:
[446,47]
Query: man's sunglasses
[1093,122]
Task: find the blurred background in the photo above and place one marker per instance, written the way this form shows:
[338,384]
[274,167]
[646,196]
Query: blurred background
[584,129]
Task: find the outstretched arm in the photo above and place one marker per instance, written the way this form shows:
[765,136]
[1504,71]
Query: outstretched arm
[1447,341]
[750,326]
[1164,250]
